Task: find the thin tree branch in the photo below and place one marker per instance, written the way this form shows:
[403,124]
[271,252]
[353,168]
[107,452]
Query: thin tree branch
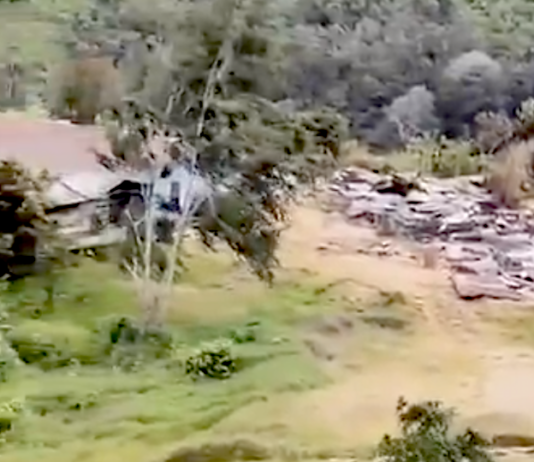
[134,226]
[218,68]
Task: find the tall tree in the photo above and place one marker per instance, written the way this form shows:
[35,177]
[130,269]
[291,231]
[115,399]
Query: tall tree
[203,80]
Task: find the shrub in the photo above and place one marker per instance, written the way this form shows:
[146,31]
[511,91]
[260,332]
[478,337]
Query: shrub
[447,158]
[6,422]
[414,113]
[83,88]
[425,436]
[128,331]
[491,130]
[213,360]
[129,344]
[510,174]
[472,83]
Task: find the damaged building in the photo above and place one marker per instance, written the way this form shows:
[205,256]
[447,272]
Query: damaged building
[88,203]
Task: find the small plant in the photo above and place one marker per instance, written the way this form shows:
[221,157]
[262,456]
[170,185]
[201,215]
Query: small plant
[14,406]
[213,360]
[130,344]
[425,436]
[128,331]
[245,334]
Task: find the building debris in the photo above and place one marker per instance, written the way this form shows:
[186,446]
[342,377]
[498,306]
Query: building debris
[489,249]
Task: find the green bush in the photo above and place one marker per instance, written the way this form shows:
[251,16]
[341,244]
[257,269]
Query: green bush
[129,344]
[425,436]
[128,331]
[212,360]
[446,158]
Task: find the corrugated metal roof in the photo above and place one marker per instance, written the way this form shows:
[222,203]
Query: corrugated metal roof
[80,187]
[57,147]
[75,188]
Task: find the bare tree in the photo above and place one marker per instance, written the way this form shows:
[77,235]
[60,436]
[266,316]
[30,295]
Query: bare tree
[157,151]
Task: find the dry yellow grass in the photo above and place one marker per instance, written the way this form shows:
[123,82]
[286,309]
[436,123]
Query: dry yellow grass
[509,178]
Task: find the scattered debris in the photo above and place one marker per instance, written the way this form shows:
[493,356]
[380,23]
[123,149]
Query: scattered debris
[489,249]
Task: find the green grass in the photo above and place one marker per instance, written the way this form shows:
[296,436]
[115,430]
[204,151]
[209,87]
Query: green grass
[32,30]
[96,413]
[33,34]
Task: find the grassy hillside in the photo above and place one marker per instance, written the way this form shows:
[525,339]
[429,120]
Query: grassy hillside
[32,30]
[140,413]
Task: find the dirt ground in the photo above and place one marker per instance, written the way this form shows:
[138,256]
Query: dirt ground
[459,355]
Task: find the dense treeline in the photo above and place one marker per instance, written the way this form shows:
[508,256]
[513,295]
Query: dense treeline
[394,68]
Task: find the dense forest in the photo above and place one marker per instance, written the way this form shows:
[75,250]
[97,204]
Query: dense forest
[394,68]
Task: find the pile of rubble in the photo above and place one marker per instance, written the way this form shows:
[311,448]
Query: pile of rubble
[489,249]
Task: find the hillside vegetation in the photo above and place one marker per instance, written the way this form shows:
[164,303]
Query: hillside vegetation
[178,353]
[395,69]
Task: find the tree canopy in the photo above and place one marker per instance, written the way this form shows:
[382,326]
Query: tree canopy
[188,59]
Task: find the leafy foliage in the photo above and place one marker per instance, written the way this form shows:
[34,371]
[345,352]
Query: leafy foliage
[212,360]
[25,227]
[447,158]
[205,95]
[130,344]
[356,56]
[83,88]
[491,129]
[425,435]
